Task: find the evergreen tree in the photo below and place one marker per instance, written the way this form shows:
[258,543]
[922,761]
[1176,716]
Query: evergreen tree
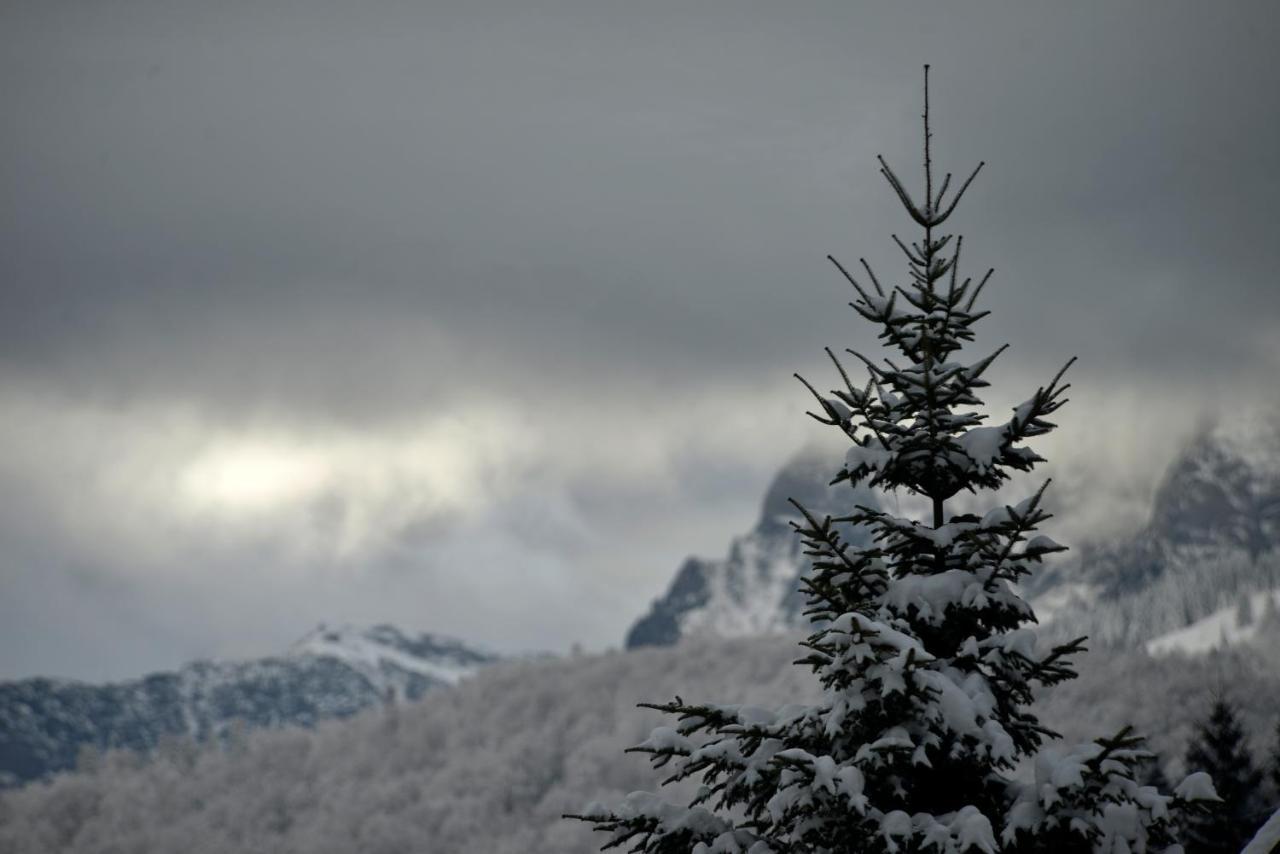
[1221,750]
[920,640]
[1275,765]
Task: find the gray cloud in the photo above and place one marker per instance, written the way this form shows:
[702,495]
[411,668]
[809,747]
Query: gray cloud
[583,227]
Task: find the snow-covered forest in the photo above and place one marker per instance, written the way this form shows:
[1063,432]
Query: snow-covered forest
[490,765]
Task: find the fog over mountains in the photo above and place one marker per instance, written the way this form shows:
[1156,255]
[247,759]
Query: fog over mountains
[1212,539]
[754,589]
[1203,572]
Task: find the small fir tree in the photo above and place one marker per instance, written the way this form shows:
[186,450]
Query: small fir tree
[1220,749]
[1275,765]
[920,639]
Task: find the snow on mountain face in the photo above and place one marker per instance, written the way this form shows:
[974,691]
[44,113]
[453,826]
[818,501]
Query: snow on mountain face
[330,673]
[754,589]
[389,660]
[1255,619]
[1225,490]
[1213,538]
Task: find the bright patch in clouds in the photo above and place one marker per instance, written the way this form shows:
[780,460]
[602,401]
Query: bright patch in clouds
[528,524]
[250,477]
[163,522]
[439,464]
[339,494]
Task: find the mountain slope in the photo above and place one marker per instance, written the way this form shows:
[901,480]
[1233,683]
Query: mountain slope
[1254,619]
[1213,538]
[753,589]
[491,766]
[45,724]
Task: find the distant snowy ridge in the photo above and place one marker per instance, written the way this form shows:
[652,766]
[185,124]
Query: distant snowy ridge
[46,724]
[383,655]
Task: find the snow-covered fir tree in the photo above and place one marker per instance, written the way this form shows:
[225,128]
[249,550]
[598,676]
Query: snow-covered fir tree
[1221,749]
[924,740]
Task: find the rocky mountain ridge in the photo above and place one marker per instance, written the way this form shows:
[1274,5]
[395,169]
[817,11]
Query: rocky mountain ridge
[1211,541]
[47,725]
[754,588]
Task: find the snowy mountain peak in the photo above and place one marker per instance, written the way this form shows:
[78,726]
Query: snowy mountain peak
[754,588]
[329,673]
[1213,539]
[806,479]
[395,664]
[382,653]
[1224,489]
[1252,436]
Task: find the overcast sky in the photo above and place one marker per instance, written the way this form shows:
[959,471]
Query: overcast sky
[478,316]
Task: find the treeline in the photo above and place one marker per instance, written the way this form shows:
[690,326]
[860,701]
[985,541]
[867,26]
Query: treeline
[1250,790]
[1194,583]
[492,764]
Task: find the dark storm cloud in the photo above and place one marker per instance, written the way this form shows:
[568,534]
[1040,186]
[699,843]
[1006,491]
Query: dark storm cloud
[191,192]
[574,214]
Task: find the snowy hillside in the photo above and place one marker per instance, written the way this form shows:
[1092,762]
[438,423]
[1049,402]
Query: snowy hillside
[45,724]
[1255,619]
[491,765]
[753,589]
